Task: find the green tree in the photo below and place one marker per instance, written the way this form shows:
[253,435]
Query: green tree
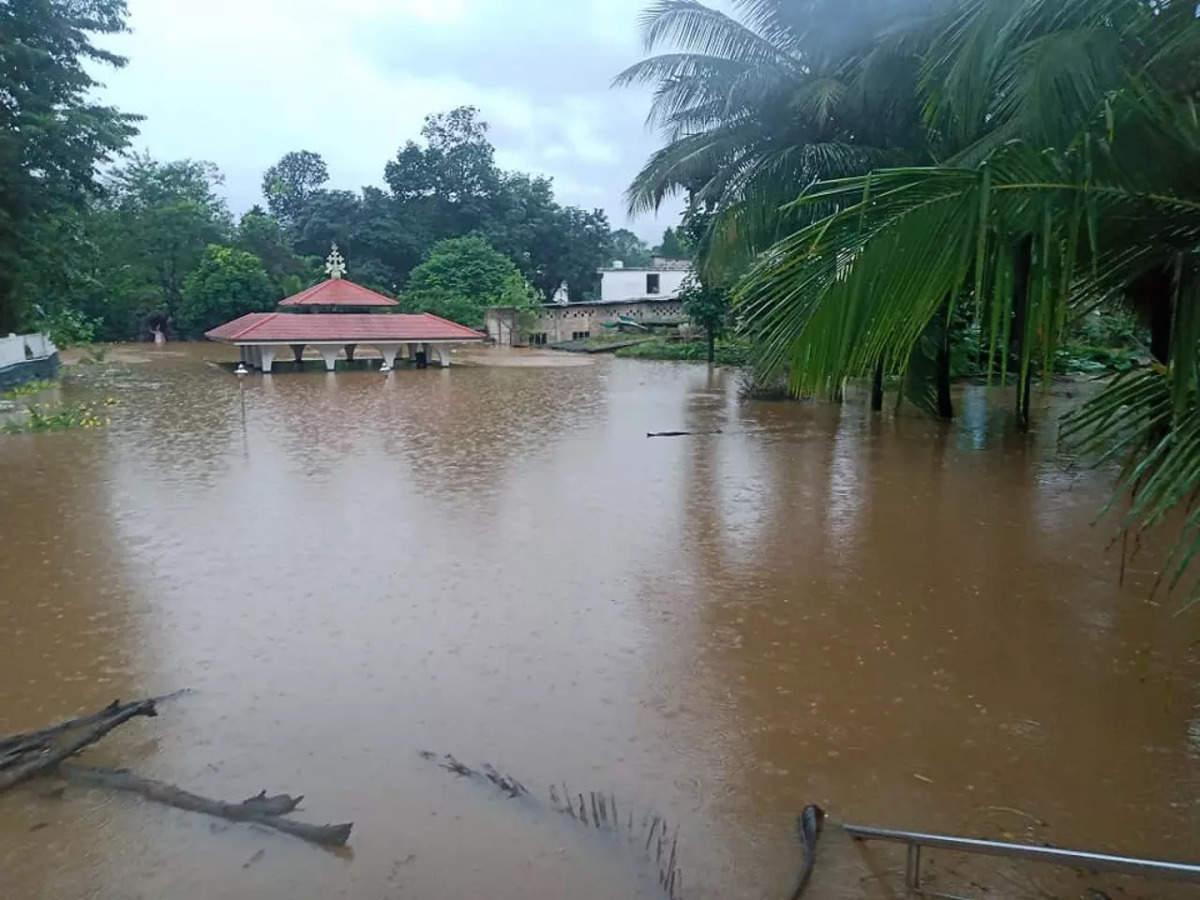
[707,307]
[325,218]
[290,183]
[449,186]
[579,246]
[630,249]
[453,178]
[52,136]
[262,235]
[461,278]
[155,225]
[227,283]
[753,108]
[673,246]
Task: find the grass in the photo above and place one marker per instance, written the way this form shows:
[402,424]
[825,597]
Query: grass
[44,417]
[728,353]
[26,389]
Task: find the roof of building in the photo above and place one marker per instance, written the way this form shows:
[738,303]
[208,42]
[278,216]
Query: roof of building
[666,298]
[657,264]
[306,328]
[338,292]
[669,297]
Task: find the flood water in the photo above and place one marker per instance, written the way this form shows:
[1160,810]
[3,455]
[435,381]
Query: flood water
[914,626]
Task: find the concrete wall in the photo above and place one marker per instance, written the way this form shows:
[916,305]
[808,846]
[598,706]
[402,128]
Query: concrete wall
[26,357]
[626,284]
[502,328]
[18,348]
[564,322]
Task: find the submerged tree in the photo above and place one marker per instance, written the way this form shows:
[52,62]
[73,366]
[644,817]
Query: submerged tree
[706,306]
[1073,182]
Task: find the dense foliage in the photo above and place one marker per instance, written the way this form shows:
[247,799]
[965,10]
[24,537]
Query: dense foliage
[461,278]
[52,136]
[226,284]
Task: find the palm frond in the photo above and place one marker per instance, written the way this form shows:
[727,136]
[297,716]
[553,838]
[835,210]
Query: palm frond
[1136,420]
[704,30]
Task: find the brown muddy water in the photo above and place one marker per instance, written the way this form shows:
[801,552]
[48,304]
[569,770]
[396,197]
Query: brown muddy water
[913,626]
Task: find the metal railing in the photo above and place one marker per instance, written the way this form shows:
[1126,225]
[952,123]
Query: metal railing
[915,840]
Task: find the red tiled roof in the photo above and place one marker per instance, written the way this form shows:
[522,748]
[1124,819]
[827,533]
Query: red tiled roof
[297,328]
[337,292]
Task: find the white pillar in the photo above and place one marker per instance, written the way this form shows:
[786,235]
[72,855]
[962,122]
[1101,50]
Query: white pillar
[406,351]
[388,352]
[268,357]
[329,354]
[443,354]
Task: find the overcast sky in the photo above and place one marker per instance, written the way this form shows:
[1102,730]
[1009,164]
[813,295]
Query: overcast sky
[241,83]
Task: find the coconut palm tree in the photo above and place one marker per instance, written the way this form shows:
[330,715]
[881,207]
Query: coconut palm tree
[1072,137]
[753,110]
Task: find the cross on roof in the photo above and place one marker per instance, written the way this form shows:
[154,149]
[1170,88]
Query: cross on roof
[335,265]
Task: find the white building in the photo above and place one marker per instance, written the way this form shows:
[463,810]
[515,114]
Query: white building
[661,280]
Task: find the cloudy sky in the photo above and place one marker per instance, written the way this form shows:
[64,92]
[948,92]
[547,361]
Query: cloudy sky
[241,82]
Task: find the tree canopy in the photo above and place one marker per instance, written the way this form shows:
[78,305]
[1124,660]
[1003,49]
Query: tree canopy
[226,284]
[461,278]
[290,183]
[52,136]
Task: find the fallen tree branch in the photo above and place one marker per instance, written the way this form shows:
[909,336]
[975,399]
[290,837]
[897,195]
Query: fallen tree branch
[259,810]
[28,740]
[38,756]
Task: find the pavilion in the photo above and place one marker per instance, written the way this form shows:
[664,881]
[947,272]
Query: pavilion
[323,324]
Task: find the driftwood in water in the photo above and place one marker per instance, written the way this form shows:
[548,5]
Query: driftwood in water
[36,753]
[45,735]
[33,753]
[259,810]
[653,434]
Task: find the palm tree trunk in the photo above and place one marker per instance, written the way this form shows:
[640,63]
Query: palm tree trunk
[945,403]
[877,388]
[712,346]
[1022,267]
[1153,295]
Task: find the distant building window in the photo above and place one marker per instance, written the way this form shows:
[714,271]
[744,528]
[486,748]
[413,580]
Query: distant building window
[537,339]
[580,335]
[653,283]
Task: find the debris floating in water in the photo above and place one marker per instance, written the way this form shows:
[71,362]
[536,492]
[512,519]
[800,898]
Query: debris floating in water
[45,752]
[597,810]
